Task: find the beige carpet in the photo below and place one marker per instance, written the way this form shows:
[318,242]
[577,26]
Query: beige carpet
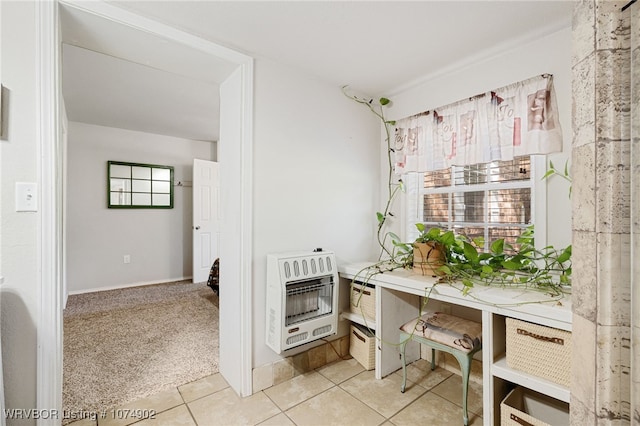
[123,345]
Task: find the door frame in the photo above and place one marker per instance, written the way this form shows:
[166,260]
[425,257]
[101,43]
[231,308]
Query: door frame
[49,323]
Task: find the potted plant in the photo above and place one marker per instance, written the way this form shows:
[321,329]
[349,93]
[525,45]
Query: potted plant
[431,249]
[520,266]
[454,258]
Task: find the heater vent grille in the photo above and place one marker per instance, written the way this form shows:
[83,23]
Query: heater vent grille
[297,338]
[309,299]
[296,269]
[322,330]
[302,298]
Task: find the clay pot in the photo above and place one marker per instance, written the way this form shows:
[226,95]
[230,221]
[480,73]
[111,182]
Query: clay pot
[428,257]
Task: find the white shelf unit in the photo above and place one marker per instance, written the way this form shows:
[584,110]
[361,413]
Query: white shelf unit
[500,369]
[398,300]
[358,319]
[499,378]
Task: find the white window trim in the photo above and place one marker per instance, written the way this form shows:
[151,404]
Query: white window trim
[413,208]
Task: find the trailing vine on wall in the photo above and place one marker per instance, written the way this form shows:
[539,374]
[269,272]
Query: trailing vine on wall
[393,253]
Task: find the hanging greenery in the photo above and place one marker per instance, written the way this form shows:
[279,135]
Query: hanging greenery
[524,266]
[552,171]
[504,265]
[393,253]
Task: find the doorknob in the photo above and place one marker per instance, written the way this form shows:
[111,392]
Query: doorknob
[196,228]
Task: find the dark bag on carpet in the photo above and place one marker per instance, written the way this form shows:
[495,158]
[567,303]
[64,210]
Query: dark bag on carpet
[214,276]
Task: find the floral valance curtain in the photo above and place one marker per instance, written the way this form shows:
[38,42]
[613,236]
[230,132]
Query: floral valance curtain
[519,119]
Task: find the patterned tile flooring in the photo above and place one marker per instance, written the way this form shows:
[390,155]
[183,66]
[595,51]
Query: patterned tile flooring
[341,393]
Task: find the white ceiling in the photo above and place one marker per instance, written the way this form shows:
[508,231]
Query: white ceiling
[117,76]
[375,47]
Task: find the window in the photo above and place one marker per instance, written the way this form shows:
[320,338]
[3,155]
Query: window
[132,185]
[490,200]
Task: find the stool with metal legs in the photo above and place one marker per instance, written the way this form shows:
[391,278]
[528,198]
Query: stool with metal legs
[444,332]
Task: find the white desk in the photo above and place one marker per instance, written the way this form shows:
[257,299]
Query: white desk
[397,301]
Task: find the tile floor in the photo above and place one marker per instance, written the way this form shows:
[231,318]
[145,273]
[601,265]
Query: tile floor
[341,393]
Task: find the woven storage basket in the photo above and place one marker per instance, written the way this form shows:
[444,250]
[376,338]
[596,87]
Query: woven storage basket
[538,350]
[523,407]
[363,300]
[362,346]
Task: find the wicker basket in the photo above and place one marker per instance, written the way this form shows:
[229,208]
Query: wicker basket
[363,301]
[362,346]
[523,407]
[538,350]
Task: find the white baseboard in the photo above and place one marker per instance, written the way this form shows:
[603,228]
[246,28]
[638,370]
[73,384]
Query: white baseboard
[121,286]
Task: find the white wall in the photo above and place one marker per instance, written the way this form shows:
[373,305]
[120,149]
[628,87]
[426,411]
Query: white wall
[159,241]
[550,54]
[19,251]
[316,176]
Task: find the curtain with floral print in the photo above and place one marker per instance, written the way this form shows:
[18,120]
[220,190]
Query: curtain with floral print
[515,120]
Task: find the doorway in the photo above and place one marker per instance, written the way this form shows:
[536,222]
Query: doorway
[236,111]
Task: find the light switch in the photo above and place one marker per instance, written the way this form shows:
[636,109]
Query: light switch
[26,197]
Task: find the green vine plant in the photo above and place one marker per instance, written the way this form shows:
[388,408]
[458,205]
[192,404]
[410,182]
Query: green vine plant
[521,266]
[464,264]
[393,253]
[553,171]
[547,270]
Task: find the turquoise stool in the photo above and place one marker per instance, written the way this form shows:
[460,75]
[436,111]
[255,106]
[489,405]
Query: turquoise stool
[444,332]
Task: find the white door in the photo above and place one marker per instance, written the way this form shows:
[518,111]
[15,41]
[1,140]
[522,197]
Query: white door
[206,229]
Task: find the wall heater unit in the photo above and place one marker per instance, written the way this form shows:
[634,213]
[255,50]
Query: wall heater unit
[302,298]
